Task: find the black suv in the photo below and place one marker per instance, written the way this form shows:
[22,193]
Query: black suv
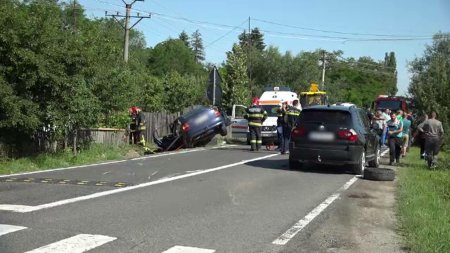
[334,135]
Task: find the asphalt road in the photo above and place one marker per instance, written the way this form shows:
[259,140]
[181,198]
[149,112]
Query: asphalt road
[225,199]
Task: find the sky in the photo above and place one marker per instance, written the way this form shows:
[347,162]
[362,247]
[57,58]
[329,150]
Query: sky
[295,25]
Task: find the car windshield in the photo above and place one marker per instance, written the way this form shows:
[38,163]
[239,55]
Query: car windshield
[325,117]
[389,104]
[271,110]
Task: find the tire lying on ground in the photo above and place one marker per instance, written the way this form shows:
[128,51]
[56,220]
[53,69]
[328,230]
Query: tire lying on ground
[379,174]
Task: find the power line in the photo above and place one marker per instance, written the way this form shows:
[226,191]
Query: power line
[337,32]
[226,34]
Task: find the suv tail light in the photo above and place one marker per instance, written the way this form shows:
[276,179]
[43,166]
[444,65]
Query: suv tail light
[298,132]
[349,135]
[185,127]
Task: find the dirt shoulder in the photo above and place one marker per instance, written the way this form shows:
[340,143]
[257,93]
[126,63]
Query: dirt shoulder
[362,220]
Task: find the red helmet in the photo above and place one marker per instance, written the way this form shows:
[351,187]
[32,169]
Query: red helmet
[134,109]
[255,101]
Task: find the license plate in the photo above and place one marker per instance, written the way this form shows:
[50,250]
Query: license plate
[267,134]
[321,136]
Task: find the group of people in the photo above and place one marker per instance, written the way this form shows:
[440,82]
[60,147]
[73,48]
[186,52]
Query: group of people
[287,116]
[395,132]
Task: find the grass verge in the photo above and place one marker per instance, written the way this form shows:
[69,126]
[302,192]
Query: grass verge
[96,153]
[424,203]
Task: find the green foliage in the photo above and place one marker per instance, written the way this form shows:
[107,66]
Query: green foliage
[180,92]
[235,85]
[185,38]
[424,204]
[430,82]
[197,46]
[172,55]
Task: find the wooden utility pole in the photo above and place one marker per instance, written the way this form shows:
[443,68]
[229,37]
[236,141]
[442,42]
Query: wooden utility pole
[126,25]
[323,71]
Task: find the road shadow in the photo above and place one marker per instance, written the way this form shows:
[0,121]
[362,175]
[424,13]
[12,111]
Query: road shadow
[308,168]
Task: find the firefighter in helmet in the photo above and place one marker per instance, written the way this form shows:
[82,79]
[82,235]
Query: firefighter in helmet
[137,126]
[255,115]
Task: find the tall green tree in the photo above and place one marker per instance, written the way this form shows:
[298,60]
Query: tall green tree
[430,82]
[254,39]
[172,55]
[185,38]
[197,46]
[236,84]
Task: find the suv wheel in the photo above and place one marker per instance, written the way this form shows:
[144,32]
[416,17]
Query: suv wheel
[358,168]
[376,162]
[295,165]
[223,130]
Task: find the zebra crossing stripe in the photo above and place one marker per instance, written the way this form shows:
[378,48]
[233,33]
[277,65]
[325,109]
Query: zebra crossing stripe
[183,249]
[6,229]
[75,244]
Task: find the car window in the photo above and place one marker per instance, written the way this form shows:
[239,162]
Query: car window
[271,110]
[363,118]
[326,117]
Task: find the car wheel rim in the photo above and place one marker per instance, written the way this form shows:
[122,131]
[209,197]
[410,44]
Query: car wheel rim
[363,161]
[378,156]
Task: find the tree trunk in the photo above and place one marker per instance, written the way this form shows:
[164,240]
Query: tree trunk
[75,136]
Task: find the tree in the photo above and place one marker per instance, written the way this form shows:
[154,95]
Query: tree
[172,55]
[185,38]
[253,40]
[197,46]
[235,85]
[430,82]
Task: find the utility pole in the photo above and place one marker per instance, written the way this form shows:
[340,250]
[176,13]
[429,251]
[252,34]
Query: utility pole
[249,63]
[323,71]
[126,25]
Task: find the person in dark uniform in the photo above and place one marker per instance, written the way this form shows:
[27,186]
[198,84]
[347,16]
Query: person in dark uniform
[255,116]
[281,112]
[137,126]
[291,117]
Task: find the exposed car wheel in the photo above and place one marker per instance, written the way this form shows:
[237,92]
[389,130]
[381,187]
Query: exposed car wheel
[187,143]
[379,174]
[375,163]
[223,130]
[358,168]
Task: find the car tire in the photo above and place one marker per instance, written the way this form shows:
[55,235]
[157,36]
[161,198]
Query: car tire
[359,168]
[295,165]
[375,163]
[223,130]
[379,174]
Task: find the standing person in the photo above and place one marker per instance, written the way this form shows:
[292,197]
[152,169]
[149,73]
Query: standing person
[381,122]
[420,136]
[137,126]
[386,116]
[395,132]
[406,134]
[291,117]
[433,134]
[281,112]
[255,116]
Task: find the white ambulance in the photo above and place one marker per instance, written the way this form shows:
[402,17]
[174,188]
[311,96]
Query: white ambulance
[270,100]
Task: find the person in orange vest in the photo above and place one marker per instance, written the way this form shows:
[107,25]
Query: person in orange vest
[255,116]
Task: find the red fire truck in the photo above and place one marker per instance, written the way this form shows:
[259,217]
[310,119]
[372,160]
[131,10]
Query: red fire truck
[394,103]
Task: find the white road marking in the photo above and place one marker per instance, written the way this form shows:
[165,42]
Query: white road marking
[76,244]
[291,232]
[26,209]
[6,229]
[183,249]
[120,161]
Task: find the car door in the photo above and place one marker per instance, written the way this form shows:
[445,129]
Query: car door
[239,125]
[368,134]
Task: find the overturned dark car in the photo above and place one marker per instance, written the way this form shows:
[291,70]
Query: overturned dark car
[195,128]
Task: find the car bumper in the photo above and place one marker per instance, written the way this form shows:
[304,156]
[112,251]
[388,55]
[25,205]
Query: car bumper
[326,154]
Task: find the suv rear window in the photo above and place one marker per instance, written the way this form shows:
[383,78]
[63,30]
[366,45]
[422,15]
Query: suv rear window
[326,117]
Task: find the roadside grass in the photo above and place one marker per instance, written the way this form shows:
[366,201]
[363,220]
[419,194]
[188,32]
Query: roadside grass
[424,203]
[96,153]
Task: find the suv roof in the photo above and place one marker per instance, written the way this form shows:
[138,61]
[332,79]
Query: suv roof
[331,107]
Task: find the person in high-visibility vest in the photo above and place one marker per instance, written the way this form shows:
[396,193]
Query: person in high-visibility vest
[255,116]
